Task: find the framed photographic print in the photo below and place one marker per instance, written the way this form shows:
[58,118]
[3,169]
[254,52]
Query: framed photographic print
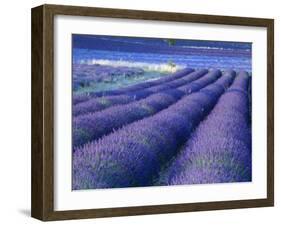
[141,112]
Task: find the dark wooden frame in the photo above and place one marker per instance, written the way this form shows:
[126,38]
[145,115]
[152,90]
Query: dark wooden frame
[42,203]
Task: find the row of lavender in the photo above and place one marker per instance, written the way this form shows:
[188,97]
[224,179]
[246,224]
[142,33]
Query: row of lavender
[220,148]
[153,130]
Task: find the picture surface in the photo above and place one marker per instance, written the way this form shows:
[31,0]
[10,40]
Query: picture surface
[160,112]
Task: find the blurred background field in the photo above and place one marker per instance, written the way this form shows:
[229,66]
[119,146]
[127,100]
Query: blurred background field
[103,63]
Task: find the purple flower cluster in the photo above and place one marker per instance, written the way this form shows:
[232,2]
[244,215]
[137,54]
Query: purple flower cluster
[134,154]
[219,150]
[95,125]
[98,104]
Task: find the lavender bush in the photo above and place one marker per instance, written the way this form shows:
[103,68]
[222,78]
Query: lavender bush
[134,154]
[219,150]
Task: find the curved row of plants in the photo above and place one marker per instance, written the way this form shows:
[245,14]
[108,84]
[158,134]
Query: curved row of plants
[220,149]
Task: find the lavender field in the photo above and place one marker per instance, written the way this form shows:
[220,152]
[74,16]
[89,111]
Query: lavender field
[158,112]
